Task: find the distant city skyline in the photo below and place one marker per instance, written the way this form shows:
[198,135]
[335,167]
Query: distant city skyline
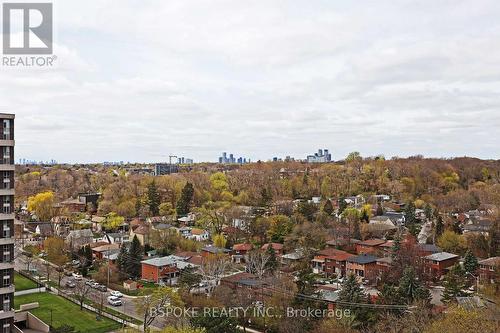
[138,82]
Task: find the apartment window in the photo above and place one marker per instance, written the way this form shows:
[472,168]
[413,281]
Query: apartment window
[6,278]
[6,229]
[6,204]
[6,303]
[6,155]
[6,129]
[6,179]
[6,328]
[6,253]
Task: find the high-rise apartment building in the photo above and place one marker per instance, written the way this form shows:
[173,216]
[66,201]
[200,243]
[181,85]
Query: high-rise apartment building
[7,222]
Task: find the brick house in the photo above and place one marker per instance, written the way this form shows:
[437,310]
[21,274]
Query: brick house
[165,269]
[487,269]
[330,262]
[277,247]
[437,264]
[363,266]
[369,246]
[238,254]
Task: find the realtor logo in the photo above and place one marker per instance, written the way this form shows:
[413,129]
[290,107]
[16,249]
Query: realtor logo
[27,28]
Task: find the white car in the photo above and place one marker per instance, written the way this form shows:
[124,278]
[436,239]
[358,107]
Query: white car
[115,301]
[77,276]
[116,293]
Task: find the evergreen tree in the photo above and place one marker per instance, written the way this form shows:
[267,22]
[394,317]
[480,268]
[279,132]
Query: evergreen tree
[88,254]
[470,262]
[351,291]
[133,262]
[122,259]
[409,213]
[439,229]
[389,295]
[184,202]
[272,263]
[396,247]
[328,207]
[454,283]
[153,199]
[410,289]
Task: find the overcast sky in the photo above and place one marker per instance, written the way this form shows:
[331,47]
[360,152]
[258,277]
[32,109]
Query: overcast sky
[138,80]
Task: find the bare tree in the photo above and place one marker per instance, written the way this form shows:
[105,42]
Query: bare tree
[214,267]
[152,306]
[256,262]
[81,292]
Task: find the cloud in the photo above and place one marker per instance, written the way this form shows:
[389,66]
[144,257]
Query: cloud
[139,80]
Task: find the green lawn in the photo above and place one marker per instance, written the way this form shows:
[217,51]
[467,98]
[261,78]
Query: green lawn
[23,283]
[66,312]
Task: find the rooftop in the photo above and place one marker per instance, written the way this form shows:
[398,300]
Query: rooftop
[362,259]
[441,256]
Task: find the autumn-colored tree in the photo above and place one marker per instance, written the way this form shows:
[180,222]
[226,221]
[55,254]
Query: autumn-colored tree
[452,242]
[113,221]
[56,254]
[219,240]
[280,227]
[458,319]
[42,204]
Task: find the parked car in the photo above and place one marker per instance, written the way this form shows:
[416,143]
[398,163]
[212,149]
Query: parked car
[75,262]
[70,284]
[68,273]
[95,285]
[115,301]
[77,276]
[116,293]
[102,288]
[89,282]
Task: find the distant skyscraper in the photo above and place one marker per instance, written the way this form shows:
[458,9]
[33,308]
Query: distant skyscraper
[322,156]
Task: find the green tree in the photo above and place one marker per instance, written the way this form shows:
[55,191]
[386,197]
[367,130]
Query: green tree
[135,254]
[184,203]
[439,229]
[153,199]
[351,291]
[272,263]
[409,213]
[396,246]
[122,259]
[454,283]
[410,289]
[189,278]
[470,262]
